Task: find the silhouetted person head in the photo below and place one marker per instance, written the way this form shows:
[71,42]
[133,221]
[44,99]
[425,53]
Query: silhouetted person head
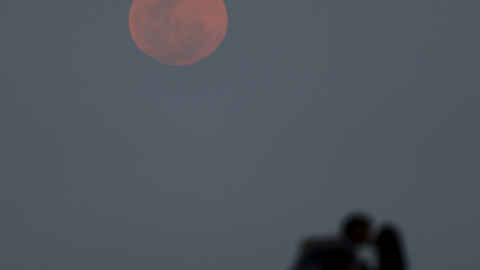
[390,249]
[356,227]
[335,253]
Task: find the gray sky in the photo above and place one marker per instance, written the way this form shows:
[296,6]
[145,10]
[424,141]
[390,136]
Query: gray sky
[307,110]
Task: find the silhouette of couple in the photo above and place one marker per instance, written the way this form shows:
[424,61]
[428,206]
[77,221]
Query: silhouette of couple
[341,252]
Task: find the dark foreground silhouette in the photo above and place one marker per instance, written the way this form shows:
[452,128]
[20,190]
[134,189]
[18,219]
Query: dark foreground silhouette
[340,252]
[390,250]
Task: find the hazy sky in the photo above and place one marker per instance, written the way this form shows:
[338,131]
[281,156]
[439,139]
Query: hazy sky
[308,110]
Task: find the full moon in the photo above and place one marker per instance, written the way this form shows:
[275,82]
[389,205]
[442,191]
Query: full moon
[178,32]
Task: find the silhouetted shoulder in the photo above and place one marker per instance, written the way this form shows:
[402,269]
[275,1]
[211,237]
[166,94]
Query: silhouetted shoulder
[320,243]
[315,251]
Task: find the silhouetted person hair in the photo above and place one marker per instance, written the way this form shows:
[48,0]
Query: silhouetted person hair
[390,249]
[354,221]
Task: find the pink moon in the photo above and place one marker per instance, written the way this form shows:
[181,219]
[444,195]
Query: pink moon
[178,32]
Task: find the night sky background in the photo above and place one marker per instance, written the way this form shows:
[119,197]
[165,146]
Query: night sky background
[308,110]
